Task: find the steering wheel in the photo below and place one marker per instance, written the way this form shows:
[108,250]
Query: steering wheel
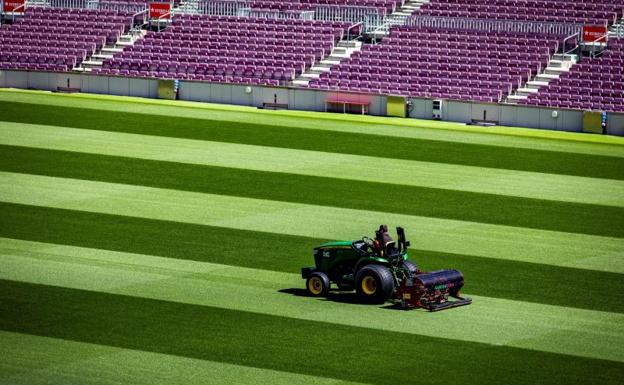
[369,242]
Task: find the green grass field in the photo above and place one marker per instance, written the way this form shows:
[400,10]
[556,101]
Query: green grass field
[157,242]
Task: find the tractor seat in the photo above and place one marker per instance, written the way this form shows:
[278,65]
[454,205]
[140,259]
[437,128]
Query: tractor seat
[391,249]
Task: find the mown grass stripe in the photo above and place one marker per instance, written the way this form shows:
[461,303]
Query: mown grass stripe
[34,360]
[283,344]
[561,330]
[489,277]
[439,203]
[341,166]
[317,140]
[443,235]
[402,128]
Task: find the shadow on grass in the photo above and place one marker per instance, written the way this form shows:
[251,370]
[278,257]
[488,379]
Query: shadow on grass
[349,297]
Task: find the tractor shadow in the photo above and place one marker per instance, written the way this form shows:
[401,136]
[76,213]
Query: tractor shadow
[339,297]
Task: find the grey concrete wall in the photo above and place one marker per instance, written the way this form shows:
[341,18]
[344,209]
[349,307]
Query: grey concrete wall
[570,120]
[16,79]
[119,86]
[505,115]
[421,109]
[96,84]
[460,112]
[199,92]
[41,81]
[306,99]
[486,112]
[615,124]
[241,95]
[65,80]
[378,106]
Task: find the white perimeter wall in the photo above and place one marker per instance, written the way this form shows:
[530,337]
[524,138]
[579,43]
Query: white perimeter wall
[304,99]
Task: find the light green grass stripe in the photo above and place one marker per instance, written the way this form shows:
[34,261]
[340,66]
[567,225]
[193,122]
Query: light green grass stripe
[406,128]
[33,360]
[414,173]
[548,328]
[458,237]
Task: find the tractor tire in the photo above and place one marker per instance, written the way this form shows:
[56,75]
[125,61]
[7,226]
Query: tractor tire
[411,268]
[374,284]
[318,284]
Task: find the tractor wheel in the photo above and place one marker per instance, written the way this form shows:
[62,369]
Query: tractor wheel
[411,268]
[374,284]
[318,284]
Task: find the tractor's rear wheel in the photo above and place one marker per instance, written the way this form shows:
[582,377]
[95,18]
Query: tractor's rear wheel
[411,267]
[318,284]
[374,284]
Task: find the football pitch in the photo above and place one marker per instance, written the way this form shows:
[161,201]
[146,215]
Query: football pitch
[160,242]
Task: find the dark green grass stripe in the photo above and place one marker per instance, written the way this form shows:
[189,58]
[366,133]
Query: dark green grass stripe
[298,346]
[319,140]
[520,281]
[411,200]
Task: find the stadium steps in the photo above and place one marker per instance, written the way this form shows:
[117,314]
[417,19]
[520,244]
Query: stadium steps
[343,50]
[398,17]
[558,64]
[97,59]
[409,7]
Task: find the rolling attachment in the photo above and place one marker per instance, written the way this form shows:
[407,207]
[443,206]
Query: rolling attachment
[433,290]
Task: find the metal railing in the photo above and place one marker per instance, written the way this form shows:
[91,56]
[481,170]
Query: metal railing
[355,26]
[90,4]
[166,17]
[619,30]
[494,25]
[351,14]
[139,22]
[276,14]
[598,45]
[576,40]
[219,7]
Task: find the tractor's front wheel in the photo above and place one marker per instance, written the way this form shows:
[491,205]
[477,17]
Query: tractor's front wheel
[374,284]
[318,284]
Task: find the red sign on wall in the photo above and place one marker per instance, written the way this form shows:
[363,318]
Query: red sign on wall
[157,10]
[11,5]
[594,33]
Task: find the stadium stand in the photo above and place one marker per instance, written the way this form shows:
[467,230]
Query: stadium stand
[384,6]
[491,51]
[560,11]
[596,84]
[432,63]
[228,49]
[58,39]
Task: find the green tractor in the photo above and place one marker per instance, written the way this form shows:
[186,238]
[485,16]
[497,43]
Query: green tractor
[380,270]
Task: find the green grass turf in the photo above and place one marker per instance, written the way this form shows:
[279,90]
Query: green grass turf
[341,166]
[392,198]
[284,344]
[319,140]
[278,252]
[444,235]
[398,127]
[502,322]
[34,360]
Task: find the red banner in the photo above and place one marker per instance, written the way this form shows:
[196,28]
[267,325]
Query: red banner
[11,5]
[157,10]
[594,33]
